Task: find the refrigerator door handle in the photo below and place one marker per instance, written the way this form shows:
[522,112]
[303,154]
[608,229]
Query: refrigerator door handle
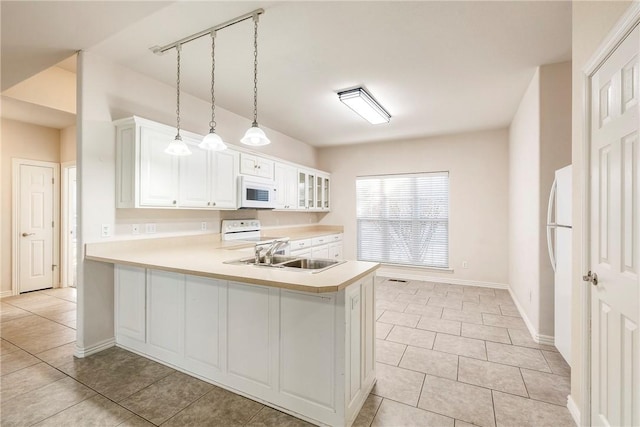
[551,225]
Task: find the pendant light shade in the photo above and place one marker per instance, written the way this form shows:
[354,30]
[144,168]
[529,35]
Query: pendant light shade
[254,135]
[177,147]
[213,141]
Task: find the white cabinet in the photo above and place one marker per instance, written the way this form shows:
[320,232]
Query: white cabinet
[253,165]
[335,251]
[306,189]
[159,172]
[286,185]
[130,303]
[165,315]
[321,247]
[321,192]
[147,177]
[320,252]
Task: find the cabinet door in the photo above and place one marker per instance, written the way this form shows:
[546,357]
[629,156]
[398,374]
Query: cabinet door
[165,316]
[302,190]
[319,193]
[335,251]
[320,252]
[325,194]
[286,184]
[203,299]
[368,324]
[159,171]
[224,172]
[256,166]
[265,168]
[195,182]
[130,303]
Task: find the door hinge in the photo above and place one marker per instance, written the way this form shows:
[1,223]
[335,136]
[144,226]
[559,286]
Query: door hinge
[53,180]
[53,267]
[52,224]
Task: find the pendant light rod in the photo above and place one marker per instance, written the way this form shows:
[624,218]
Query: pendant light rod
[159,50]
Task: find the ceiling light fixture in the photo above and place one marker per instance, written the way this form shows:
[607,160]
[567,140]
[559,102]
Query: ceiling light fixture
[360,101]
[177,147]
[212,141]
[254,135]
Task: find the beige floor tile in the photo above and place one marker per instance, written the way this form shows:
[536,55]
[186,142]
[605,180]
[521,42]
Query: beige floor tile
[503,321]
[424,310]
[135,421]
[379,313]
[474,299]
[28,408]
[471,307]
[28,379]
[411,336]
[421,286]
[397,306]
[49,310]
[401,319]
[9,312]
[389,352]
[461,346]
[166,397]
[491,375]
[385,294]
[368,411]
[458,289]
[549,388]
[36,334]
[269,417]
[497,299]
[383,329]
[218,407]
[432,293]
[522,338]
[409,298]
[430,362]
[509,310]
[557,363]
[68,293]
[15,361]
[95,411]
[58,356]
[488,333]
[460,423]
[446,302]
[398,384]
[6,347]
[518,411]
[457,400]
[477,290]
[394,414]
[462,316]
[516,356]
[61,315]
[451,327]
[33,301]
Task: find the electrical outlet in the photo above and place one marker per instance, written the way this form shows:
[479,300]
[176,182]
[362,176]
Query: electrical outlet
[465,264]
[203,226]
[135,228]
[106,230]
[150,228]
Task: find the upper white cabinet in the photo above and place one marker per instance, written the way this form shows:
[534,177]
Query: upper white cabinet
[286,183]
[253,165]
[147,177]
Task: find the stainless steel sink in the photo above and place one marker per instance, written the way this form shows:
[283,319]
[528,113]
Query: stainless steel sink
[289,263]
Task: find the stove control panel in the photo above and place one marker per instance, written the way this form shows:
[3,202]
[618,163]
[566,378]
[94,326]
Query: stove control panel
[240,225]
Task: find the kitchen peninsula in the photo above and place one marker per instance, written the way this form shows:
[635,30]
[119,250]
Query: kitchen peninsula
[298,341]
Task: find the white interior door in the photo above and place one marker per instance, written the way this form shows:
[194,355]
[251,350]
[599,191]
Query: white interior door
[615,252]
[35,228]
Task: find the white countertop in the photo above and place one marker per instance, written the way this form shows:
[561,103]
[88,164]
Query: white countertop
[204,255]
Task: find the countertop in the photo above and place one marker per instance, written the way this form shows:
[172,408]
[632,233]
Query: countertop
[204,255]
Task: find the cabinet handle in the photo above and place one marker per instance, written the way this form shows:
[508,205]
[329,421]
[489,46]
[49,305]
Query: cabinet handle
[213,204]
[174,202]
[208,203]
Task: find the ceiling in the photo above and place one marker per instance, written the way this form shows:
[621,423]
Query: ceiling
[22,111]
[437,67]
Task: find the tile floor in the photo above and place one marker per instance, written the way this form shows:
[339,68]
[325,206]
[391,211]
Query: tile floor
[447,356]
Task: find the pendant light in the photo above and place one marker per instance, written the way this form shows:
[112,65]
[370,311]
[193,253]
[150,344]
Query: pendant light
[177,147]
[212,141]
[254,135]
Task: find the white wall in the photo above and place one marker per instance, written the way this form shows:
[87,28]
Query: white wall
[107,92]
[525,200]
[24,141]
[539,144]
[477,163]
[68,144]
[54,88]
[591,23]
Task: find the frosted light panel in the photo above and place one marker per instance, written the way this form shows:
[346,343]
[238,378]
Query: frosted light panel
[365,106]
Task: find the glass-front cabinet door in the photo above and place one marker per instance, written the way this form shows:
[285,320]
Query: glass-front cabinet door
[325,193]
[319,200]
[302,189]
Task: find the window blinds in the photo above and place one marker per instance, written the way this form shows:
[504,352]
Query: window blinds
[404,219]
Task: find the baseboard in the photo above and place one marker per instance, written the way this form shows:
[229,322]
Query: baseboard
[573,410]
[96,348]
[538,338]
[5,294]
[412,275]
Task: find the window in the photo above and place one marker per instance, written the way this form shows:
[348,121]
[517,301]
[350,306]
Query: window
[404,219]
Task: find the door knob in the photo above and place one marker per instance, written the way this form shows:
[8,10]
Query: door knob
[27,234]
[591,277]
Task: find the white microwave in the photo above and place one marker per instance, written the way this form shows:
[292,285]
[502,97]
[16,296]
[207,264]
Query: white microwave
[256,193]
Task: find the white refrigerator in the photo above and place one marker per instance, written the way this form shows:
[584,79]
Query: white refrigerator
[559,244]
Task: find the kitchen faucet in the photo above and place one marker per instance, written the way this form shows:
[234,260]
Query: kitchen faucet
[275,245]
